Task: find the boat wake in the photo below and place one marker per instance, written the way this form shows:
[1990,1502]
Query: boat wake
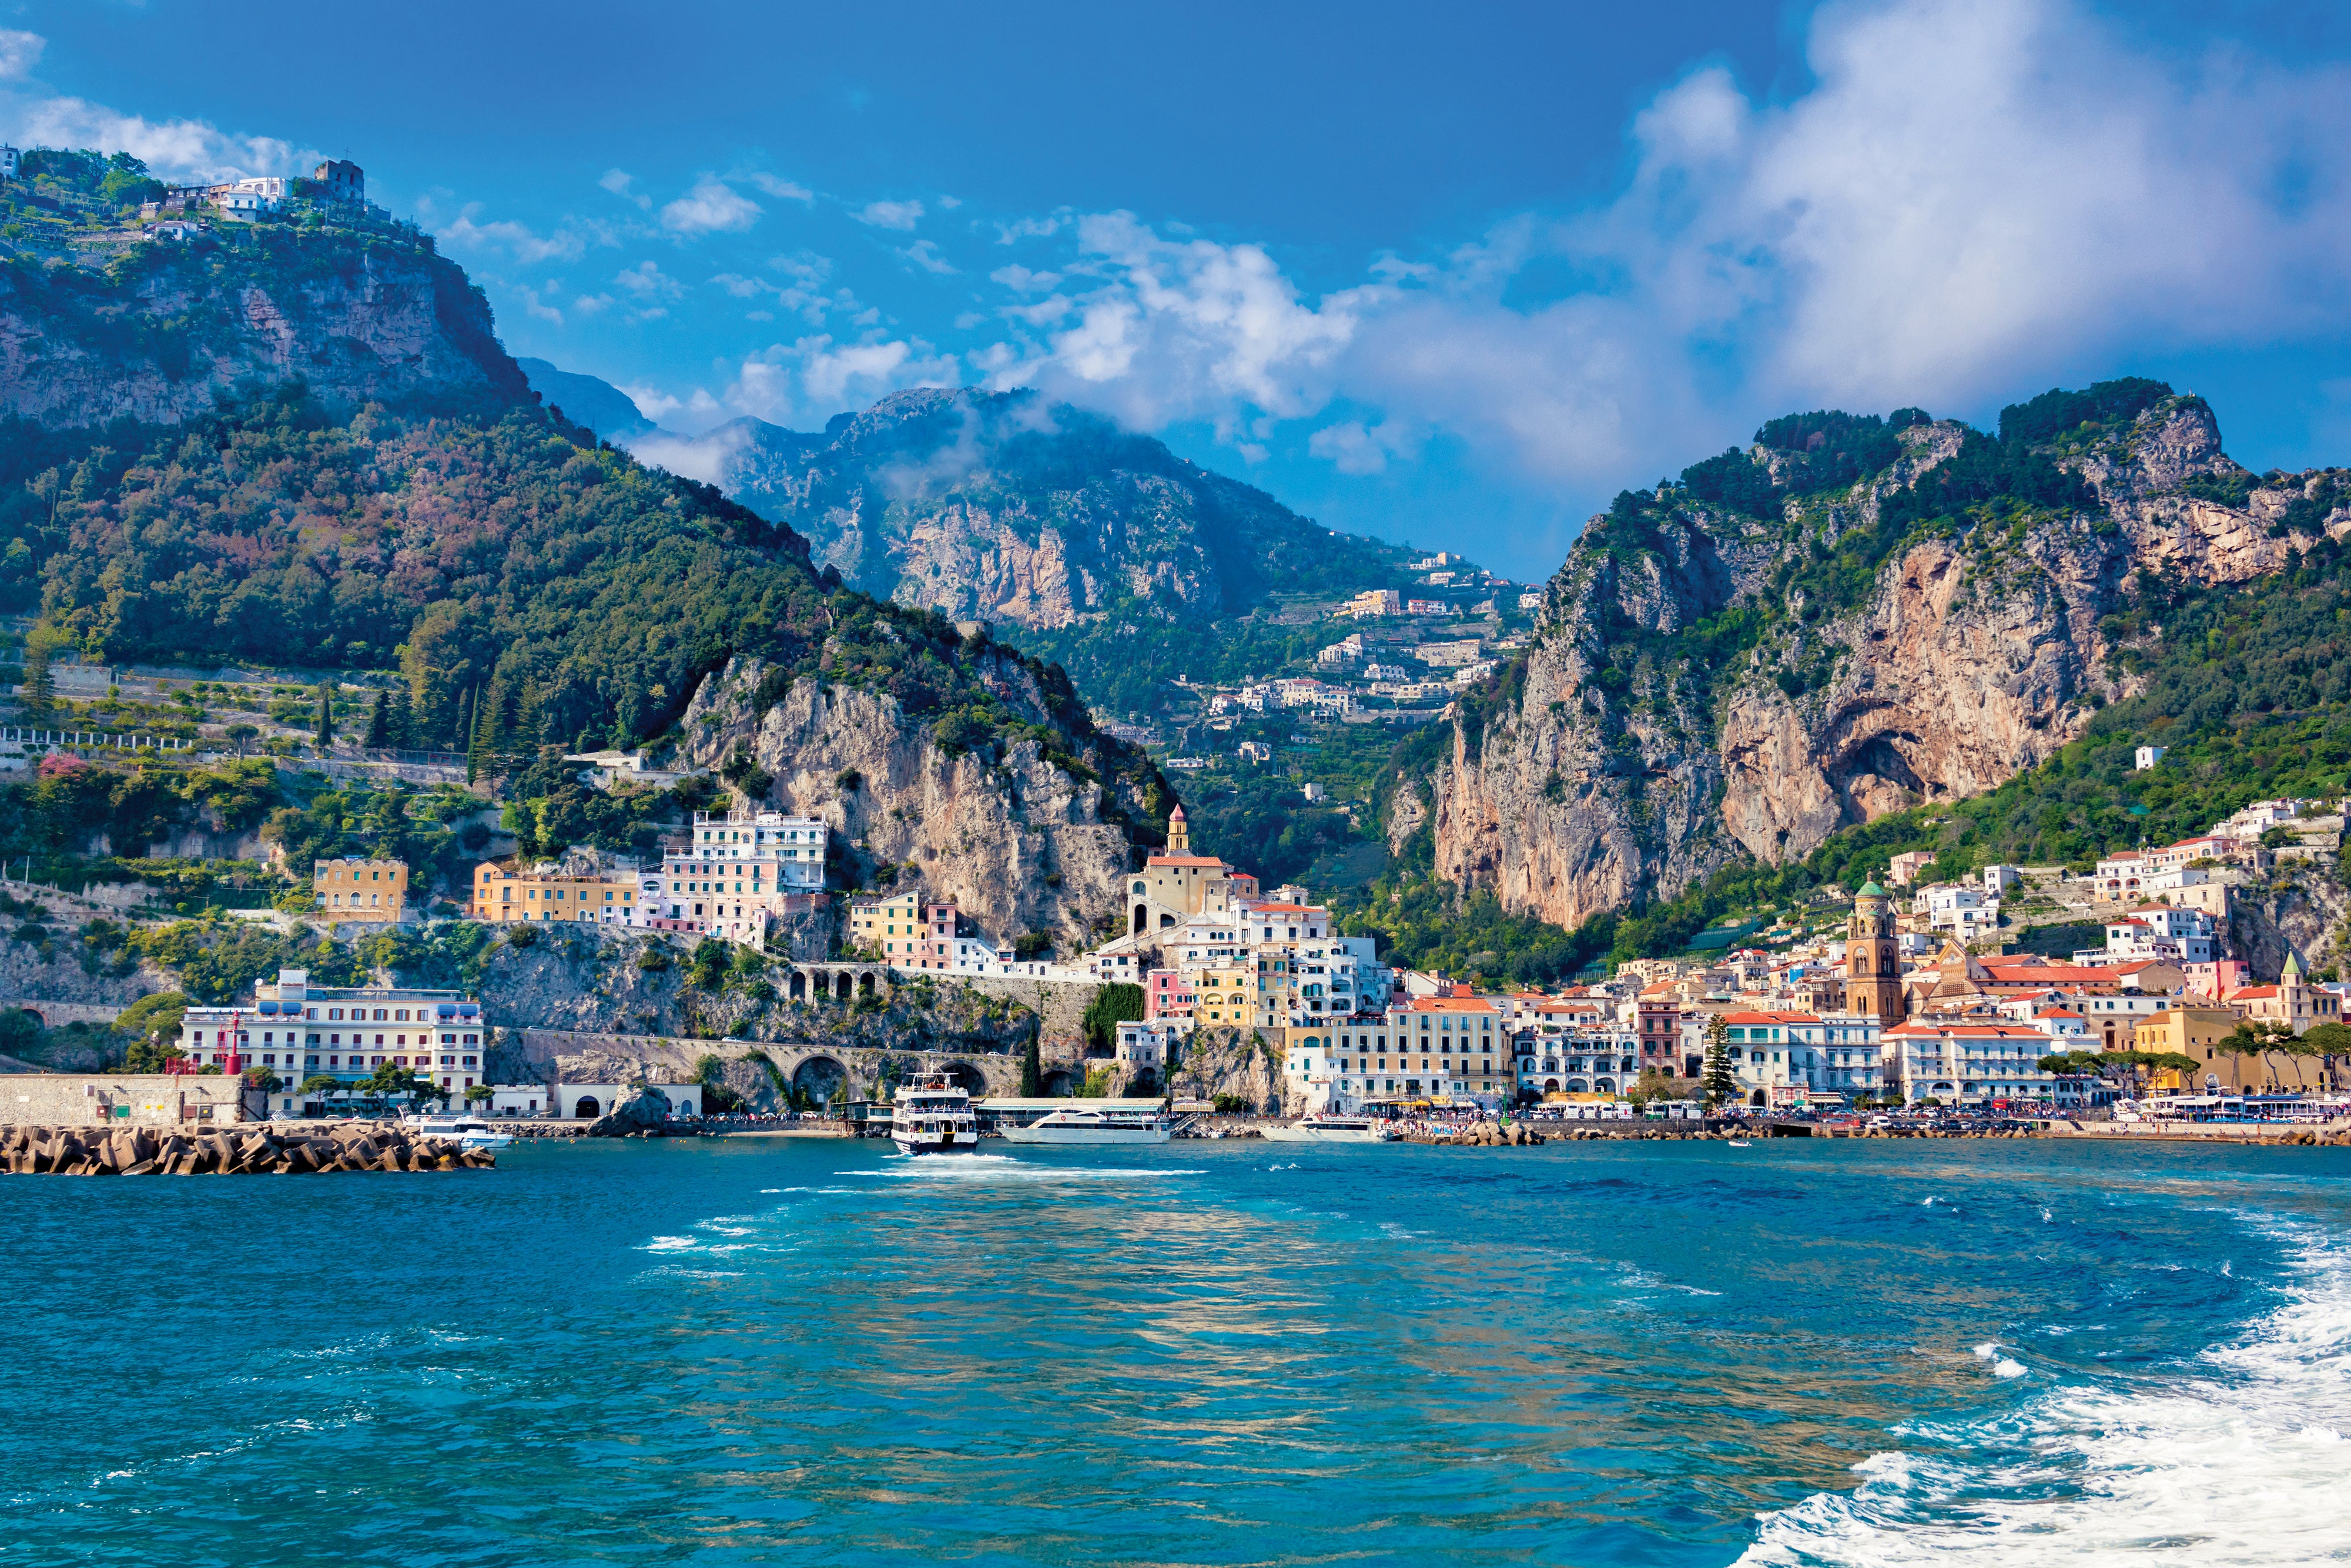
[1002,1168]
[2237,1459]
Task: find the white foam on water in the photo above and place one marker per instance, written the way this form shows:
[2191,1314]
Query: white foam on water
[1926,1203]
[1002,1168]
[1986,1351]
[2047,1218]
[2004,1367]
[2238,1456]
[670,1244]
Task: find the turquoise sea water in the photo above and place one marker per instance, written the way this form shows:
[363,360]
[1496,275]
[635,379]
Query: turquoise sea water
[1239,1353]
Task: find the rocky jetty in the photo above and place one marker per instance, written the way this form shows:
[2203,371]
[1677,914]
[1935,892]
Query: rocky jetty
[229,1151]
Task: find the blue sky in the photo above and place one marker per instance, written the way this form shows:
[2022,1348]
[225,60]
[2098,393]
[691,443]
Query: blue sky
[1453,273]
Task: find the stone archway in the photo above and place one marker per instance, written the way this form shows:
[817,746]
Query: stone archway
[587,1109]
[1141,923]
[1060,1085]
[1756,1100]
[966,1077]
[821,1079]
[841,985]
[865,984]
[1551,1085]
[798,987]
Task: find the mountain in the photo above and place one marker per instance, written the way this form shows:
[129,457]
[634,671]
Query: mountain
[1851,617]
[219,455]
[1109,552]
[109,327]
[586,401]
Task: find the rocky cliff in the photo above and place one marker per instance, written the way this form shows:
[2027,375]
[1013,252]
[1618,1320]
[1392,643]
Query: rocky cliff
[1028,827]
[168,330]
[1711,680]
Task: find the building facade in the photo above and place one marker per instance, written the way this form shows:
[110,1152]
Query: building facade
[361,889]
[300,1031]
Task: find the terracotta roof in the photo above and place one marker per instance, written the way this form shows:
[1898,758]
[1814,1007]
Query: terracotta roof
[1185,860]
[1450,1004]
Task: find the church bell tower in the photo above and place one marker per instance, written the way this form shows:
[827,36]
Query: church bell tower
[1873,971]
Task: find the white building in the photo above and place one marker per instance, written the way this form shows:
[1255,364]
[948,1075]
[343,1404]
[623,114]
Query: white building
[301,1031]
[1960,907]
[741,870]
[244,198]
[1836,1053]
[1150,1047]
[1966,1062]
[2158,931]
[2148,757]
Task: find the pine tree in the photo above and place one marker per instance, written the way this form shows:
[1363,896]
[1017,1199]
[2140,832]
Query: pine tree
[1032,1071]
[402,727]
[1722,1081]
[326,719]
[379,735]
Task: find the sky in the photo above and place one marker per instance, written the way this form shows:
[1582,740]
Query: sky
[1451,274]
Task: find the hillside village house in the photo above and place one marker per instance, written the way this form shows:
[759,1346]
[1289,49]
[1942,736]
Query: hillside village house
[1956,1061]
[301,1031]
[361,889]
[505,891]
[739,870]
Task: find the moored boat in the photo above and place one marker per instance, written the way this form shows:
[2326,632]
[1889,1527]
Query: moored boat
[1329,1129]
[1079,1127]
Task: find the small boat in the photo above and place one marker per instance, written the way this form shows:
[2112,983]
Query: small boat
[1738,1142]
[1072,1127]
[470,1131]
[1327,1129]
[931,1115]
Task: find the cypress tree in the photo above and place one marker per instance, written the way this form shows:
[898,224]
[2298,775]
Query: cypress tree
[474,738]
[465,733]
[379,735]
[326,719]
[41,685]
[1032,1071]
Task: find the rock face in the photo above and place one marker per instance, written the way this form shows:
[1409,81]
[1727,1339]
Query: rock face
[1640,743]
[1020,841]
[1002,508]
[357,323]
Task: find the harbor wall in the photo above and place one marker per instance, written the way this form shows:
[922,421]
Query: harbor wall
[134,1100]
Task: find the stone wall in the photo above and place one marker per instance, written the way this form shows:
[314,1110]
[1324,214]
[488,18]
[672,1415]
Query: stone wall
[142,1099]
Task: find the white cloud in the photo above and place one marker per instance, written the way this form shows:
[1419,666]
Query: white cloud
[1352,448]
[891,215]
[815,377]
[646,280]
[1030,228]
[925,255]
[711,207]
[1021,280]
[652,402]
[783,190]
[534,306]
[592,304]
[19,53]
[619,181]
[566,243]
[192,151]
[1973,198]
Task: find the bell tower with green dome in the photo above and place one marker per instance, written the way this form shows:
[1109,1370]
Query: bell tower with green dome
[1873,971]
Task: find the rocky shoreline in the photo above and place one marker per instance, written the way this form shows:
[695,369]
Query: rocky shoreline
[143,1151]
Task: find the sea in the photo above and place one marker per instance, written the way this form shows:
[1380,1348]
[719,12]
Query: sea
[753,1351]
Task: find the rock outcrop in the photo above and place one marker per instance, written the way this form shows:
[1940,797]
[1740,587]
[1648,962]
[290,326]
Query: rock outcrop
[167,339]
[1022,838]
[1642,741]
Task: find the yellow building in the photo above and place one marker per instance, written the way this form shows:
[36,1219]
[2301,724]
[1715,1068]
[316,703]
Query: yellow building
[504,892]
[361,890]
[1227,996]
[1175,886]
[890,926]
[2199,1033]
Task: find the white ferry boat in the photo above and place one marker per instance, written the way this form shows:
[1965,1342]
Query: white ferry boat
[930,1116]
[1075,1127]
[470,1131]
[1331,1130]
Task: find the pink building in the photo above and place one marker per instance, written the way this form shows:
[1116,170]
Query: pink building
[1166,995]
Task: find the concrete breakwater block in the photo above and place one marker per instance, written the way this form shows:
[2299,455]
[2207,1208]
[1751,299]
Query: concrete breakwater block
[229,1151]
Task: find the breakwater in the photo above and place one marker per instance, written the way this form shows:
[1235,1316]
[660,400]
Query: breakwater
[143,1151]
